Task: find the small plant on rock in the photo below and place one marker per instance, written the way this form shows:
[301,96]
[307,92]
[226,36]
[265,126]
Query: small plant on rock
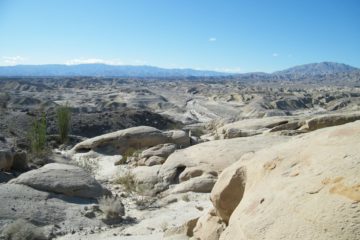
[127,181]
[37,136]
[131,152]
[112,207]
[63,114]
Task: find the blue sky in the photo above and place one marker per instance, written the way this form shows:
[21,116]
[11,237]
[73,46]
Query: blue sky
[239,36]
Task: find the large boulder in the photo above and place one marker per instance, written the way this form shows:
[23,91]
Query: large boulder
[135,137]
[315,177]
[62,178]
[213,156]
[228,191]
[44,208]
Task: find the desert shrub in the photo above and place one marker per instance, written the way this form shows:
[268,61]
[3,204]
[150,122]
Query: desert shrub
[131,152]
[185,198]
[127,181]
[112,207]
[89,165]
[63,114]
[37,135]
[22,230]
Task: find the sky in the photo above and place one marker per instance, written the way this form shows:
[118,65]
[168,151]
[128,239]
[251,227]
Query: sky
[230,36]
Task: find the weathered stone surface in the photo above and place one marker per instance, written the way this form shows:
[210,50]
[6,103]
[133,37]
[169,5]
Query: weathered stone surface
[330,120]
[314,177]
[146,175]
[161,150]
[288,126]
[178,137]
[61,178]
[202,184]
[135,137]
[182,232]
[228,191]
[209,227]
[44,208]
[213,156]
[154,160]
[250,127]
[190,172]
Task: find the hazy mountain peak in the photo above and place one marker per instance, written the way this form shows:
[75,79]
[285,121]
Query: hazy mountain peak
[318,68]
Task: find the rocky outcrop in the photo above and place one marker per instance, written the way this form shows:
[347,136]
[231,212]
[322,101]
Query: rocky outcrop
[161,150]
[136,137]
[330,120]
[293,103]
[44,208]
[250,127]
[210,157]
[61,178]
[202,184]
[314,177]
[182,232]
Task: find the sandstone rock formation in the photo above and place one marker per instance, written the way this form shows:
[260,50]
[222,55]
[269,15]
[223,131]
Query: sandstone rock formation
[161,150]
[250,127]
[330,120]
[307,188]
[228,191]
[209,227]
[136,137]
[61,178]
[44,208]
[211,156]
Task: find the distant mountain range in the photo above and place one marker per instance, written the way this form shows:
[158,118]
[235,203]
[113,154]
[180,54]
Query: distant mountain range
[103,70]
[318,69]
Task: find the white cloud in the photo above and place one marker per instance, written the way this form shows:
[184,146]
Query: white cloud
[12,60]
[212,39]
[275,54]
[93,60]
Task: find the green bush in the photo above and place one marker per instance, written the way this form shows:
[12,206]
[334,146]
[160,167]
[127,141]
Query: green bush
[63,118]
[37,135]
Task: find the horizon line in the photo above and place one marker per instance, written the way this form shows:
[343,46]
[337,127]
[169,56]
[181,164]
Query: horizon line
[216,70]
